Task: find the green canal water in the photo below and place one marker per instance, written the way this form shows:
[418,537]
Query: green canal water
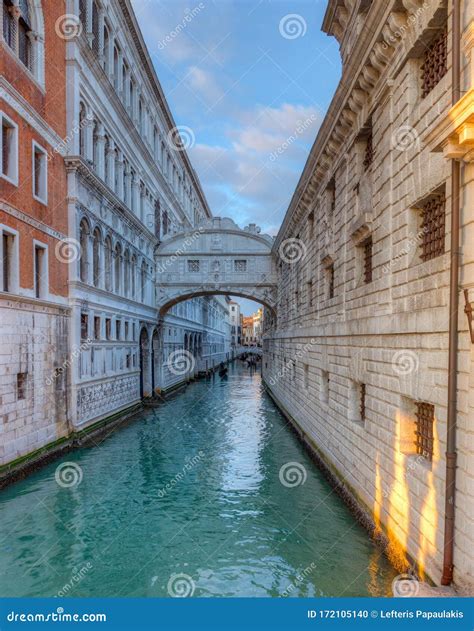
[209,495]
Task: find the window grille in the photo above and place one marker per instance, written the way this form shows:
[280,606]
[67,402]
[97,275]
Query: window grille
[433,227]
[362,401]
[369,152]
[424,430]
[240,266]
[21,380]
[193,265]
[330,280]
[367,249]
[435,63]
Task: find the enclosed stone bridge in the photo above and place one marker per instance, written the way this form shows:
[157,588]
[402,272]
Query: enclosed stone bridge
[216,257]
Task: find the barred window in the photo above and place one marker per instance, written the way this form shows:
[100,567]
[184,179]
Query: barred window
[193,265]
[369,151]
[424,429]
[8,24]
[240,266]
[367,251]
[330,280]
[435,63]
[362,401]
[433,212]
[84,326]
[21,382]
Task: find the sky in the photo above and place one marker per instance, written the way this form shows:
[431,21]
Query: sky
[248,82]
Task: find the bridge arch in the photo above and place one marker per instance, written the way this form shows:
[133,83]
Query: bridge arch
[216,258]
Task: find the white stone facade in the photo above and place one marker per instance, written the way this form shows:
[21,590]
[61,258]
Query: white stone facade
[362,337]
[130,185]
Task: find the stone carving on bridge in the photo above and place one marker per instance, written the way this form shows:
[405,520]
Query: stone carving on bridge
[216,257]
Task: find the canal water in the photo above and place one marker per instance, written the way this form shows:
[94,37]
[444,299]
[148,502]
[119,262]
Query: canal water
[210,494]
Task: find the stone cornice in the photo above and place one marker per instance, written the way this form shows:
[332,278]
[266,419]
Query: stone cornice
[149,69]
[13,98]
[31,221]
[361,83]
[105,84]
[454,134]
[76,164]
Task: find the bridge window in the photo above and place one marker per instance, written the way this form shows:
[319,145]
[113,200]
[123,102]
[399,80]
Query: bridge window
[193,265]
[240,265]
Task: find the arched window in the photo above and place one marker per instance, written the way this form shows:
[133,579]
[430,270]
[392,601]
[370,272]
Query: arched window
[83,14]
[140,115]
[24,28]
[117,268]
[106,49]
[116,68]
[95,28]
[107,158]
[157,218]
[23,32]
[96,257]
[143,281]
[84,243]
[116,158]
[126,274]
[95,145]
[134,276]
[108,263]
[82,129]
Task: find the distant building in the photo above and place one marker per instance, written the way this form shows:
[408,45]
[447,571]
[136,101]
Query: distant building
[235,324]
[252,328]
[257,326]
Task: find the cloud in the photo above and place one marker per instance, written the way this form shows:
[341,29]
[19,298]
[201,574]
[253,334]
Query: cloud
[203,82]
[254,176]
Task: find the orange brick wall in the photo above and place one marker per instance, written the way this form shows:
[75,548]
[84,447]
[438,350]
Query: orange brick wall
[50,105]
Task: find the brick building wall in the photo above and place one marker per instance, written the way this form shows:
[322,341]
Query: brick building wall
[33,212]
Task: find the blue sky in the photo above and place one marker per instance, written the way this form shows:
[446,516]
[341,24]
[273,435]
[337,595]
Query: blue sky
[252,79]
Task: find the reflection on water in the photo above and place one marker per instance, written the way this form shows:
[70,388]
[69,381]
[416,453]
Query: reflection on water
[189,497]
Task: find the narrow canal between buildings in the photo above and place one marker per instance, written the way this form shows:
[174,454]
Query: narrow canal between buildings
[210,494]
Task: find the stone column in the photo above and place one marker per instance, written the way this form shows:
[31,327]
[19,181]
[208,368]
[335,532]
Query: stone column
[128,186]
[100,140]
[120,167]
[89,33]
[100,44]
[136,195]
[110,164]
[88,135]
